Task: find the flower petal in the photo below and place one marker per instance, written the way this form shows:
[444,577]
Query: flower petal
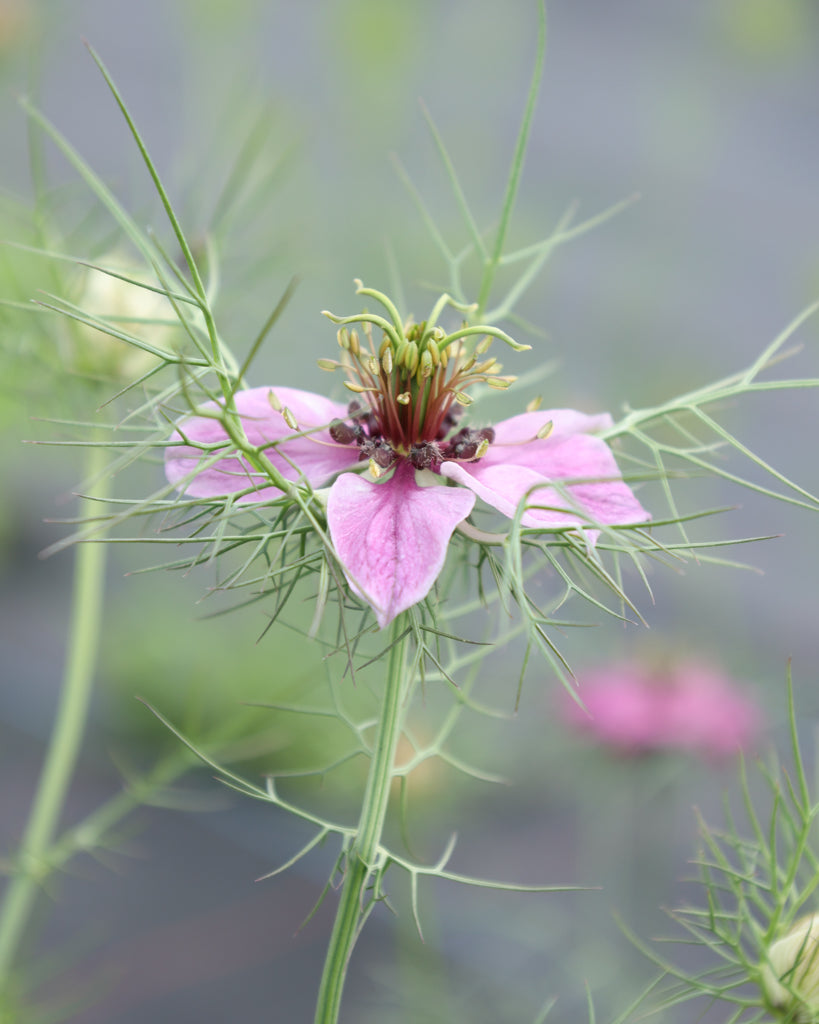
[520,429]
[314,457]
[517,461]
[391,537]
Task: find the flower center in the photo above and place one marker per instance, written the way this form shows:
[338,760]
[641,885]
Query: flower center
[411,387]
[467,445]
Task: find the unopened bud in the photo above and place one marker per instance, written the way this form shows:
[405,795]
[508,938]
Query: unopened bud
[789,975]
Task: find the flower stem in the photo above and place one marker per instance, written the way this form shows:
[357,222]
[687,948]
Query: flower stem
[362,867]
[33,862]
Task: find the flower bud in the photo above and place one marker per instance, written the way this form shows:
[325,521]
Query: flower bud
[789,975]
[140,312]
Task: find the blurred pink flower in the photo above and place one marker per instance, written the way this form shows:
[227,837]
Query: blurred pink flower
[691,706]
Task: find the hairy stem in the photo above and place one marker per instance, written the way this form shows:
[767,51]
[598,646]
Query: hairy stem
[362,879]
[33,864]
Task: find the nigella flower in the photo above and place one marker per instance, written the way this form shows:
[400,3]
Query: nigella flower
[691,706]
[391,527]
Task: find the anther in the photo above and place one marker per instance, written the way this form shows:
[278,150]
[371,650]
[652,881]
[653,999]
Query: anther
[483,345]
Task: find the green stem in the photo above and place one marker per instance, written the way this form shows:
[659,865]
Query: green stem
[362,868]
[66,737]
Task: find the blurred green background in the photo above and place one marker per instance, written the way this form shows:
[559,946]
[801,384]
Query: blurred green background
[708,110]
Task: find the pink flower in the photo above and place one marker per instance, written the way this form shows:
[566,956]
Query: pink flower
[391,531]
[691,706]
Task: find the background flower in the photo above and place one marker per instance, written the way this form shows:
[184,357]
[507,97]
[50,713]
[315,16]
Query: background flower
[691,706]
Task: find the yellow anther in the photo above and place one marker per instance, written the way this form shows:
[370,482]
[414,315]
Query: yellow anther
[386,345]
[355,344]
[386,360]
[289,419]
[375,470]
[462,398]
[328,364]
[483,345]
[425,368]
[404,398]
[275,404]
[343,336]
[357,388]
[545,430]
[535,404]
[412,357]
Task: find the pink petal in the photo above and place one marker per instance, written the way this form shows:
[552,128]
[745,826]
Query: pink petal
[314,457]
[391,537]
[523,428]
[518,461]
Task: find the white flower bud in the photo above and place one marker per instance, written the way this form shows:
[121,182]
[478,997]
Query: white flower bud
[789,975]
[128,308]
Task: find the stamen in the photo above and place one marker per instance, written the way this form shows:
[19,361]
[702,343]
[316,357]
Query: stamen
[483,345]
